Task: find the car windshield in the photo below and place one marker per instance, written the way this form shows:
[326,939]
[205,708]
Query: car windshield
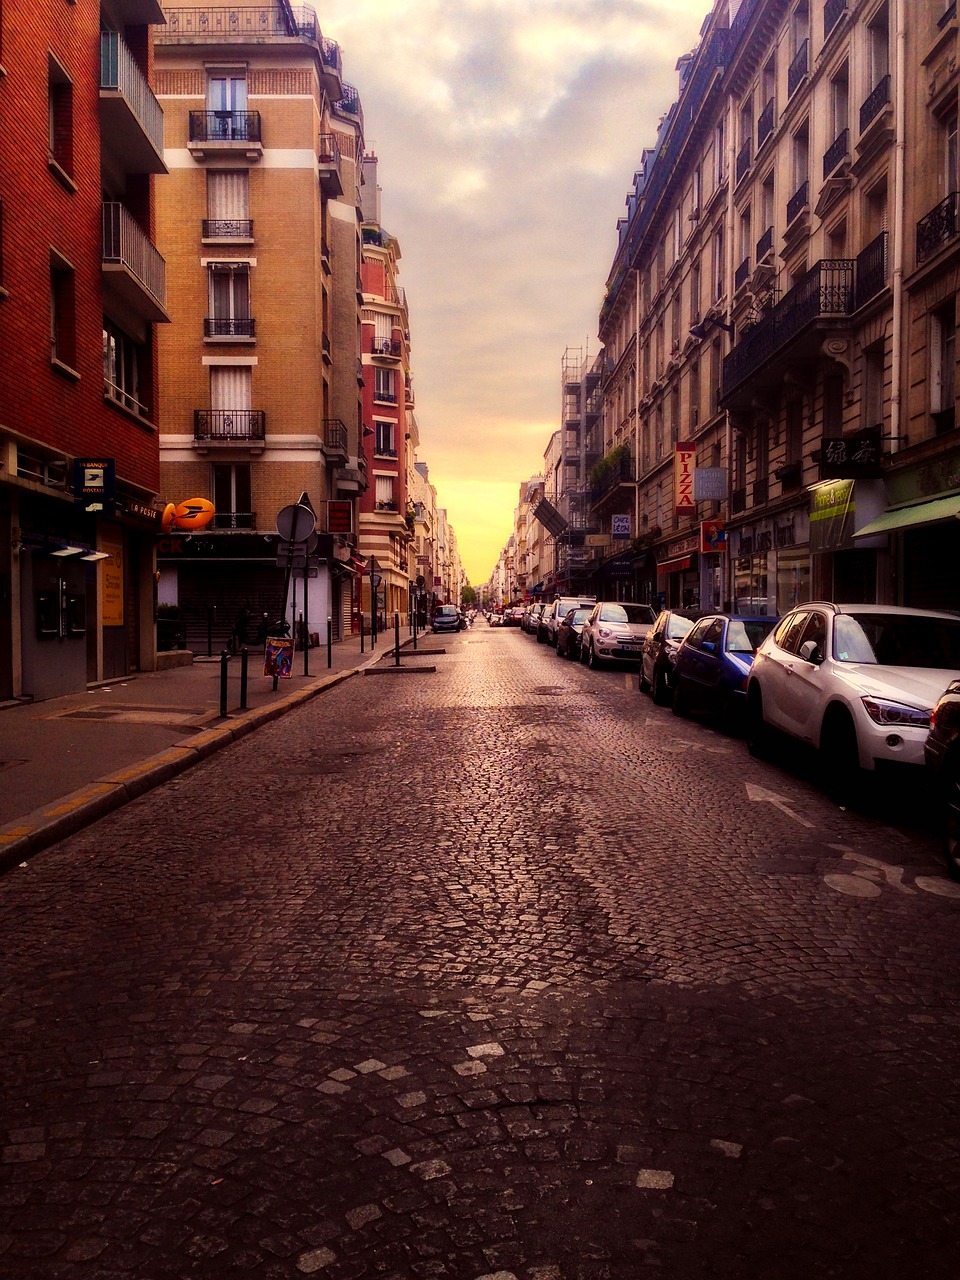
[678,627]
[746,635]
[577,617]
[632,613]
[447,611]
[897,640]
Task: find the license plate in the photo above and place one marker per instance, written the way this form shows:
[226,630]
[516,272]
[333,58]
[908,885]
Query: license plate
[629,648]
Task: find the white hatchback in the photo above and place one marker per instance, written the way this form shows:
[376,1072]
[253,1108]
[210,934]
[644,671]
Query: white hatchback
[615,630]
[857,681]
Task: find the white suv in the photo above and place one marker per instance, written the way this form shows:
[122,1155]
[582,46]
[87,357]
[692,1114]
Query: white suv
[857,681]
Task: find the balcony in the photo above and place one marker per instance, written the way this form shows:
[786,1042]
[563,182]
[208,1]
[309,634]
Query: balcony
[224,133]
[791,330]
[798,202]
[765,124]
[229,426]
[742,274]
[131,118]
[948,15]
[384,397]
[875,103]
[242,24]
[790,475]
[332,66]
[836,153]
[833,11]
[233,229]
[765,244]
[797,71]
[349,104]
[610,473]
[872,272]
[234,520]
[335,441]
[744,160]
[328,166]
[230,329]
[134,271]
[387,348]
[938,227]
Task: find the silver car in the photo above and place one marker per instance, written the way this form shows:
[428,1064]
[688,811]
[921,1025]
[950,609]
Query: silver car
[615,631]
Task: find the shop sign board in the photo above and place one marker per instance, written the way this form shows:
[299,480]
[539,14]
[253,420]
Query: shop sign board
[831,515]
[339,516]
[713,537]
[710,484]
[684,467]
[95,485]
[620,526]
[854,457]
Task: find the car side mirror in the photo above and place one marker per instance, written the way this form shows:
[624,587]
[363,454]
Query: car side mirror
[709,646]
[810,652]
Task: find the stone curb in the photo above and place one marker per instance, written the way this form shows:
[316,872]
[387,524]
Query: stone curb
[50,823]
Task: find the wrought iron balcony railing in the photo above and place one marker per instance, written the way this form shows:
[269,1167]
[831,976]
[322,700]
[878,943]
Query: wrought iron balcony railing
[225,126]
[874,104]
[872,271]
[120,74]
[797,71]
[126,244]
[229,327]
[741,274]
[392,347]
[765,124]
[947,16]
[838,150]
[744,159]
[833,11]
[335,434]
[229,424]
[331,56]
[765,244]
[798,202]
[827,290]
[238,24]
[385,397]
[619,472]
[938,227]
[227,229]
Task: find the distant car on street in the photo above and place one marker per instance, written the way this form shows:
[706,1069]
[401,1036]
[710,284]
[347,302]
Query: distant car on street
[941,752]
[569,632]
[858,682]
[615,630]
[713,664]
[531,616]
[447,617]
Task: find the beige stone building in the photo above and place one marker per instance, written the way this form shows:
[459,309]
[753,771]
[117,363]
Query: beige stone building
[260,394]
[782,308]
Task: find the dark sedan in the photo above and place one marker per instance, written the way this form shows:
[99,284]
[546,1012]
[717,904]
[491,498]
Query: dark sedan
[660,652]
[713,663]
[942,755]
[569,632]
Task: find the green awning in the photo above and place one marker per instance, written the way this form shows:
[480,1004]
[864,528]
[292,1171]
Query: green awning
[916,514]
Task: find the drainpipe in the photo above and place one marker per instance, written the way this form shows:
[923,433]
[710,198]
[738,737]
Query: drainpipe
[728,602]
[896,407]
[637,434]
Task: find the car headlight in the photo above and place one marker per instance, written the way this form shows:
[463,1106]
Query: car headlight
[884,712]
[606,632]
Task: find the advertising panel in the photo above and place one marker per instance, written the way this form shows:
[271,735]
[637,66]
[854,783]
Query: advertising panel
[684,466]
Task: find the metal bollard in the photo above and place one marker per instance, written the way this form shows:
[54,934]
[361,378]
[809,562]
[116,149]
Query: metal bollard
[244,655]
[329,643]
[224,661]
[361,631]
[396,638]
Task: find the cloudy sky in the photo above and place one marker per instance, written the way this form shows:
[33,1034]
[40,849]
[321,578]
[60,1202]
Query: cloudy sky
[508,133]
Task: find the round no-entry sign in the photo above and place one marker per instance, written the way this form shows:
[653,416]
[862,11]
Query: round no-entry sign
[295,523]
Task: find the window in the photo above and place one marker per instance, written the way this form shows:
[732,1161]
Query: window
[229,301]
[230,387]
[59,119]
[873,373]
[228,203]
[697,192]
[227,104]
[384,386]
[383,444]
[232,495]
[718,265]
[63,313]
[695,287]
[943,366]
[719,160]
[121,369]
[384,493]
[878,48]
[950,154]
[840,101]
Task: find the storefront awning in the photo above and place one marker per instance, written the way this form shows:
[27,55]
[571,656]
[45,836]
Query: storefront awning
[917,513]
[675,565]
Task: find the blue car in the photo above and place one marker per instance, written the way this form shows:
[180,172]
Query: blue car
[713,664]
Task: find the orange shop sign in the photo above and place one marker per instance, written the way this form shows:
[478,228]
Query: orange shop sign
[684,465]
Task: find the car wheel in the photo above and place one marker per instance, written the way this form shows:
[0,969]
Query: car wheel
[583,654]
[840,757]
[681,702]
[593,662]
[951,815]
[757,729]
[662,693]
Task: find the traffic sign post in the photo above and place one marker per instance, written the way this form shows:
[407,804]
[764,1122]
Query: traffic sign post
[296,525]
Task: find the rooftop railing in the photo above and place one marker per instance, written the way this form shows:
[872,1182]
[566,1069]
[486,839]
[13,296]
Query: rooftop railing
[239,23]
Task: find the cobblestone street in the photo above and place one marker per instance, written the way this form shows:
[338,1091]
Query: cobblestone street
[498,972]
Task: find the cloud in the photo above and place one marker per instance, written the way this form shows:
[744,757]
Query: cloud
[508,136]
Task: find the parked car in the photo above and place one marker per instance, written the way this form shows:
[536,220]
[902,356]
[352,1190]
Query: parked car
[512,616]
[555,612]
[569,631]
[615,630]
[941,752]
[447,617]
[531,616]
[713,664]
[856,681]
[660,652]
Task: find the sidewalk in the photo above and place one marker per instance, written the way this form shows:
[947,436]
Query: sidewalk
[67,761]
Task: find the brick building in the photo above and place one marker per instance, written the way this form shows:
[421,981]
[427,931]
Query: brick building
[261,387]
[82,288]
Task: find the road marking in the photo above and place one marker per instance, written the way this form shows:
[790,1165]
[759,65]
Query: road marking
[761,794]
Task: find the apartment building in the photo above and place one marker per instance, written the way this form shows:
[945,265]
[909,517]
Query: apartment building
[780,316]
[261,393]
[387,518]
[82,291]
